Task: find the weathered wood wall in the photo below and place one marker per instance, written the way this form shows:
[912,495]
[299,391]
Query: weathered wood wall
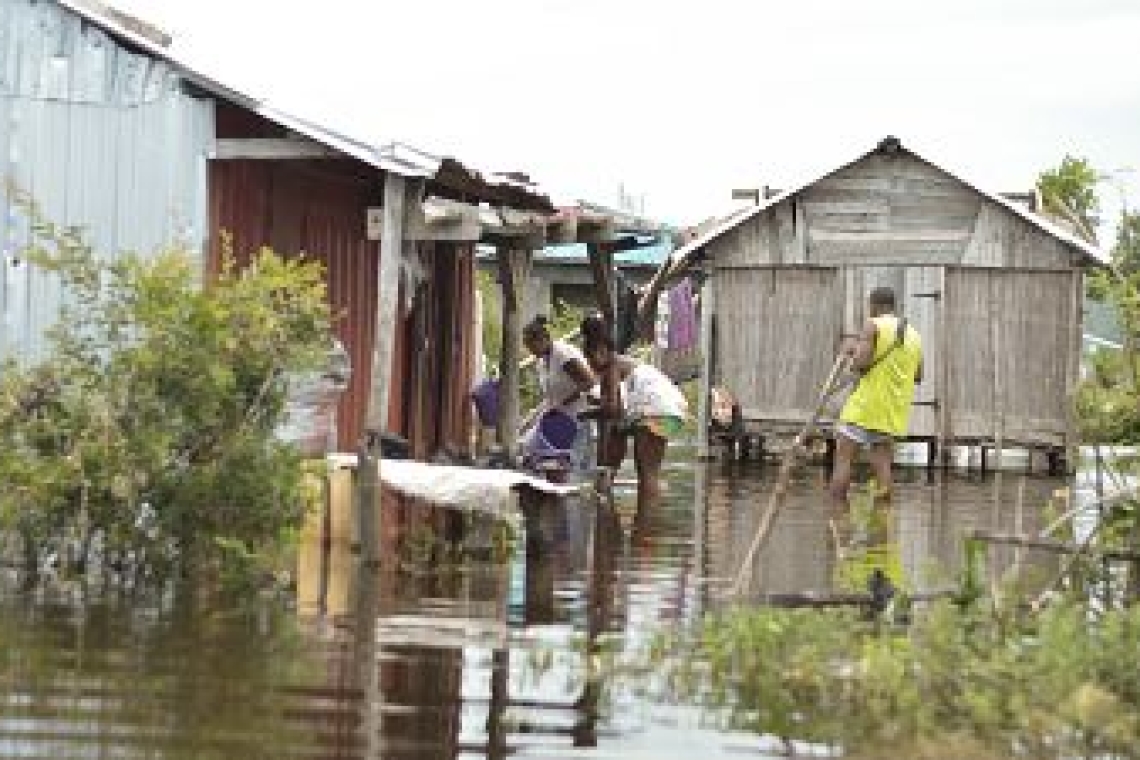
[990,293]
[777,332]
[886,210]
[1011,353]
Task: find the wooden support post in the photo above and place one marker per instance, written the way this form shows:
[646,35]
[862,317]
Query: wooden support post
[1073,371]
[514,270]
[605,287]
[387,294]
[945,372]
[601,260]
[708,304]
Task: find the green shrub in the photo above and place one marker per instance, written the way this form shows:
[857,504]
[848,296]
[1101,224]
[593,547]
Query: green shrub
[148,431]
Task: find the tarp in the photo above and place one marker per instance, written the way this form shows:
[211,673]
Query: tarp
[467,488]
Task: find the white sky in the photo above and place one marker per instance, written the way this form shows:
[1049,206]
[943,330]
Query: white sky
[682,102]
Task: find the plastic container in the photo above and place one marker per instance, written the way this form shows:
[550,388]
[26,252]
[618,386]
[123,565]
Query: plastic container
[486,398]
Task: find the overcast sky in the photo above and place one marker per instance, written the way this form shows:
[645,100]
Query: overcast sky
[683,101]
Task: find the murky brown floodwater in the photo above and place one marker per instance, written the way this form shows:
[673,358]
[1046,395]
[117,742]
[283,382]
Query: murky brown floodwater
[486,662]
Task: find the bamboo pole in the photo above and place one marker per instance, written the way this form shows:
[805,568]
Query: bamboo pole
[791,458]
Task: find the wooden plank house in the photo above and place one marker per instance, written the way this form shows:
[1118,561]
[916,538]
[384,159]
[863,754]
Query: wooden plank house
[994,289]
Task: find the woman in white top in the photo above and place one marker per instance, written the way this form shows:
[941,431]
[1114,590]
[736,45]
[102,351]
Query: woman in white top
[564,377]
[651,408]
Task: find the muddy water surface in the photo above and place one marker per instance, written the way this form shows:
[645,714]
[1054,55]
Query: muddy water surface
[482,661]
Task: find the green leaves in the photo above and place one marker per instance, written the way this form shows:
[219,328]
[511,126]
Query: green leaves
[1059,685]
[151,422]
[1069,192]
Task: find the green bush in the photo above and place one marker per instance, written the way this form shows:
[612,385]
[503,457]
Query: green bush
[976,684]
[148,431]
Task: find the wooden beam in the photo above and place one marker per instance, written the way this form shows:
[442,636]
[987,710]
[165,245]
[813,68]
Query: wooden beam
[439,219]
[562,231]
[593,232]
[270,149]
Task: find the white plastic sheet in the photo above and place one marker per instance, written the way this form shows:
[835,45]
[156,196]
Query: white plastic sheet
[467,488]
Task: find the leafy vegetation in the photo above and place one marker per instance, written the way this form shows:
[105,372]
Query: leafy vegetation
[1069,192]
[963,681]
[146,437]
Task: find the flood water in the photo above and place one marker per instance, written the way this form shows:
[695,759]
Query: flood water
[481,661]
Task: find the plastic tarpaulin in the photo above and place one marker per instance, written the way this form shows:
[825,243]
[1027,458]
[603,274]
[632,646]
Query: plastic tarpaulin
[468,488]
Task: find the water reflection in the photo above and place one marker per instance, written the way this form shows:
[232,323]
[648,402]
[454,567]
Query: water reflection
[484,660]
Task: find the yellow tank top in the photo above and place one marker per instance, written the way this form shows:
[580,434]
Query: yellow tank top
[883,398]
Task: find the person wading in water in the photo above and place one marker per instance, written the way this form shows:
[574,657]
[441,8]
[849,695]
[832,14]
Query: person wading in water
[651,409]
[888,356]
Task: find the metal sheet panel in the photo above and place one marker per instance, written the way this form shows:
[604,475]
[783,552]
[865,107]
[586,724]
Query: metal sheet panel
[297,208]
[103,138]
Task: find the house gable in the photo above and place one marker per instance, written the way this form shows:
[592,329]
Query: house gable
[891,208]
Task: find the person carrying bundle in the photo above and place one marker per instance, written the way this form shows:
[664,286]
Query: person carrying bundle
[651,408]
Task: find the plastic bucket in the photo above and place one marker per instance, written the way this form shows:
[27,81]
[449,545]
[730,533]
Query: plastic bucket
[556,433]
[486,398]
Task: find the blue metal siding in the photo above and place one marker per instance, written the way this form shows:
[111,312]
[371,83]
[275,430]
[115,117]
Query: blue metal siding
[103,138]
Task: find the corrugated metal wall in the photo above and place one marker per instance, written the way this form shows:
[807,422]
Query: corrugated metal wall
[319,207]
[103,138]
[436,349]
[297,206]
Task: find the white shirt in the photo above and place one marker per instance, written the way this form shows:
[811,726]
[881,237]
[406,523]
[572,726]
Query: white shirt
[556,382]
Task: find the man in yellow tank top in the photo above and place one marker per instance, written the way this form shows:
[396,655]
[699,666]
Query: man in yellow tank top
[888,353]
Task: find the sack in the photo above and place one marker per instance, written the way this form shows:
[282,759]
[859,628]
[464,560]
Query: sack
[720,410]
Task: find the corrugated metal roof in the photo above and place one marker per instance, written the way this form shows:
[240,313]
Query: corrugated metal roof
[1091,251]
[651,254]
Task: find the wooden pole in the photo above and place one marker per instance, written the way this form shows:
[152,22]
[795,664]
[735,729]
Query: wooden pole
[605,288]
[1049,545]
[513,265]
[387,294]
[708,304]
[791,457]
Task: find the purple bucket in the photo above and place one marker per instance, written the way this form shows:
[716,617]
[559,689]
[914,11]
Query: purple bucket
[486,398]
[557,432]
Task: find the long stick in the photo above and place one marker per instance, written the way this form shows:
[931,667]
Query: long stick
[1085,545]
[791,456]
[1048,545]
